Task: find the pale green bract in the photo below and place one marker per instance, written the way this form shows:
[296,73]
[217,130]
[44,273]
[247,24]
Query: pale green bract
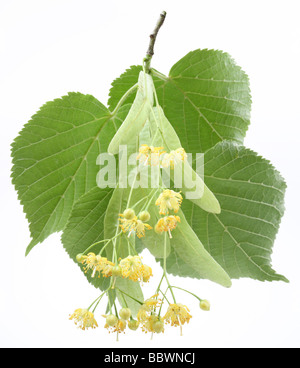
[192,183]
[137,116]
[153,241]
[190,250]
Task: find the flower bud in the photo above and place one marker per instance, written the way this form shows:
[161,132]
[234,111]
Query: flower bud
[205,305]
[158,327]
[125,313]
[116,271]
[111,320]
[144,216]
[129,214]
[79,257]
[133,325]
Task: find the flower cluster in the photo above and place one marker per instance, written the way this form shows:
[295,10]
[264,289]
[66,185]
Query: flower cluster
[130,267]
[150,155]
[173,158]
[149,316]
[168,201]
[155,156]
[176,315]
[115,324]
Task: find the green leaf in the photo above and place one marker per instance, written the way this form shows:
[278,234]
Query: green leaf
[122,84]
[86,227]
[212,97]
[54,159]
[251,194]
[206,97]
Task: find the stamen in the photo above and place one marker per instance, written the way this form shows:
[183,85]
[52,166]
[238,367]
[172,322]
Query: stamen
[131,232]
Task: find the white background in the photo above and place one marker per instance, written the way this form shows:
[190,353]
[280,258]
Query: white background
[51,47]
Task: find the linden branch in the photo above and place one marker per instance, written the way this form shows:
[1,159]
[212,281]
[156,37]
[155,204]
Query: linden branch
[150,51]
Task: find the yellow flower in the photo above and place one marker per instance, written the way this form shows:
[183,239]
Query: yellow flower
[167,223]
[169,200]
[97,264]
[142,315]
[118,327]
[127,225]
[146,273]
[150,155]
[107,269]
[84,319]
[133,226]
[153,323]
[140,228]
[177,315]
[152,303]
[146,310]
[90,262]
[132,268]
[172,158]
[149,320]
